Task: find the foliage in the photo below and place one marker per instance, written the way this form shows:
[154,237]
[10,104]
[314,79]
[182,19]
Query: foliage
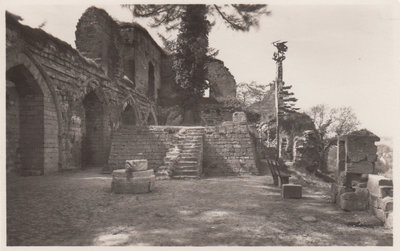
[331,123]
[193,23]
[250,93]
[287,101]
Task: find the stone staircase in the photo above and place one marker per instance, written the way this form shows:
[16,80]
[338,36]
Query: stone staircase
[190,145]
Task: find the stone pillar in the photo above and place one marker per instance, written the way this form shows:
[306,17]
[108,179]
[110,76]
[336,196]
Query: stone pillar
[356,156]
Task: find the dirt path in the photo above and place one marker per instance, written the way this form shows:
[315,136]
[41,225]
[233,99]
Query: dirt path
[78,209]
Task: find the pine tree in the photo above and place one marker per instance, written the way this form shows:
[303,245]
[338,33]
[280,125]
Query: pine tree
[191,50]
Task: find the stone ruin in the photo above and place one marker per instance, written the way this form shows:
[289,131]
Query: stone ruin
[135,178]
[356,186]
[65,106]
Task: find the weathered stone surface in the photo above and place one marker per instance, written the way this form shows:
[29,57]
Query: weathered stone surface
[375,182]
[228,150]
[136,165]
[386,203]
[380,214]
[119,173]
[142,174]
[239,117]
[360,167]
[291,191]
[133,185]
[389,220]
[80,102]
[222,82]
[354,201]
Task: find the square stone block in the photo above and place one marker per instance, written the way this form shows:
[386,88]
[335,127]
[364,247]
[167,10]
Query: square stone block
[291,191]
[375,182]
[133,185]
[360,167]
[136,165]
[354,201]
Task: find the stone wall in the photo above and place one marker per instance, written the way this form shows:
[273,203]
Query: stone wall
[381,198]
[121,49]
[136,142]
[55,80]
[222,82]
[228,150]
[214,113]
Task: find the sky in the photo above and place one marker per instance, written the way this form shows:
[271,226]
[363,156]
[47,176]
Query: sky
[340,53]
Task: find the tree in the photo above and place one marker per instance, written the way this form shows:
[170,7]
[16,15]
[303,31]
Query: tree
[250,93]
[190,49]
[331,123]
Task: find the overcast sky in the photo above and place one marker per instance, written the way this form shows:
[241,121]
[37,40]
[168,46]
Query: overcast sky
[340,54]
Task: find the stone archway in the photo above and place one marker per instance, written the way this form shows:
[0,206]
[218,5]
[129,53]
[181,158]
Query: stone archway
[152,118]
[32,120]
[128,116]
[94,137]
[151,82]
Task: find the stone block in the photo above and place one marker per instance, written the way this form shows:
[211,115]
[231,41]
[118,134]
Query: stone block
[363,167]
[389,220]
[375,182]
[354,201]
[133,185]
[386,203]
[380,214]
[385,191]
[119,173]
[142,174]
[136,165]
[291,191]
[239,117]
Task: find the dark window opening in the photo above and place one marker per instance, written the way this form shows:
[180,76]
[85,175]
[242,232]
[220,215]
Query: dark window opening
[151,87]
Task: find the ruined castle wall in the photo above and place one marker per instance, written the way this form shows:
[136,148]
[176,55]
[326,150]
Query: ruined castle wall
[141,48]
[135,142]
[66,79]
[121,49]
[222,82]
[228,150]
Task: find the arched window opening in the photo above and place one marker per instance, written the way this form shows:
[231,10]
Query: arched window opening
[93,140]
[151,84]
[128,116]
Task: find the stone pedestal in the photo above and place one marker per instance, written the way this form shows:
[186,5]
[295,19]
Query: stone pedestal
[291,191]
[134,178]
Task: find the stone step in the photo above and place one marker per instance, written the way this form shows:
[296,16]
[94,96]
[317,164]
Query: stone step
[191,151]
[181,177]
[187,162]
[189,155]
[189,159]
[186,172]
[187,167]
[189,145]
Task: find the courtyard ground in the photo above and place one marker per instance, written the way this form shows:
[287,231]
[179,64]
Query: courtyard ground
[77,208]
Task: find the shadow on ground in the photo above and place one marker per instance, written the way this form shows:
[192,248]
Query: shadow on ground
[79,209]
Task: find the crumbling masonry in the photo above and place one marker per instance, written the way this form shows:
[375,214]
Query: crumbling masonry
[66,108]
